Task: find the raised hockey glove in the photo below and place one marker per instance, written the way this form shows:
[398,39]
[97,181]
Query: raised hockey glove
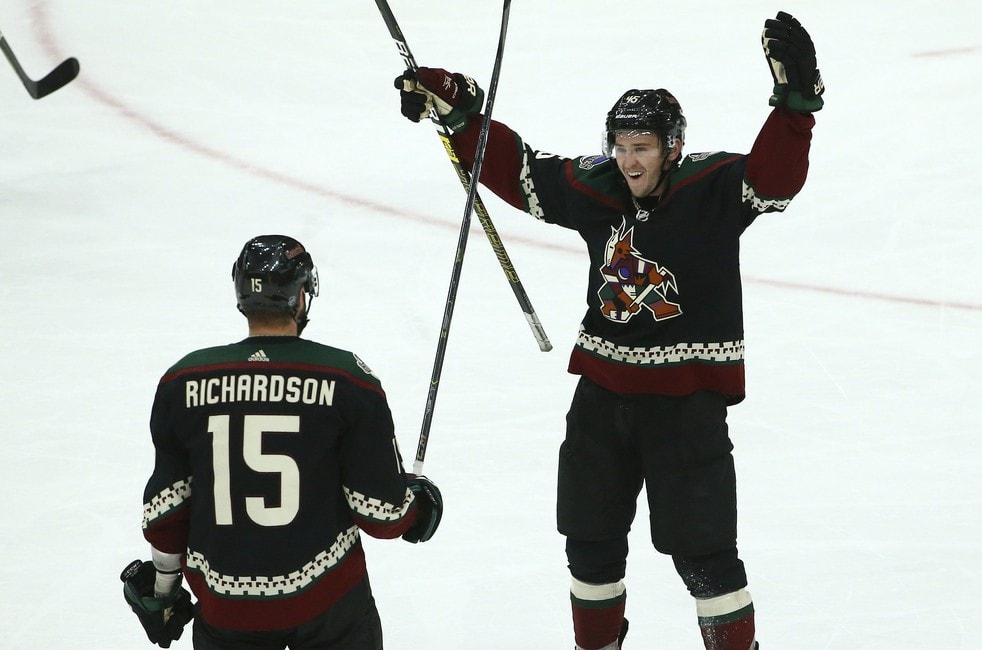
[162,618]
[454,96]
[429,501]
[791,56]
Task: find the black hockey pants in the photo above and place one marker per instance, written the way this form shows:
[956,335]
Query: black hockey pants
[676,447]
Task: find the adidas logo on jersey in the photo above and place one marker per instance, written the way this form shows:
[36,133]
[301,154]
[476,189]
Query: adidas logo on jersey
[259,356]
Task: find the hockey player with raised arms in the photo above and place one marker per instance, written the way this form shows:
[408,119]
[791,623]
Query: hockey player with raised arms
[660,351]
[271,456]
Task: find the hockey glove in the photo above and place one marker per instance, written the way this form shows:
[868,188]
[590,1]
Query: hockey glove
[791,55]
[454,96]
[163,618]
[429,501]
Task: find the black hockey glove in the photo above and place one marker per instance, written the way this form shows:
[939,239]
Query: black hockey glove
[454,96]
[430,504]
[162,618]
[791,55]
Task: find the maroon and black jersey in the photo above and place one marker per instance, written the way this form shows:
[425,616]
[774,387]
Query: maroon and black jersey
[271,454]
[664,300]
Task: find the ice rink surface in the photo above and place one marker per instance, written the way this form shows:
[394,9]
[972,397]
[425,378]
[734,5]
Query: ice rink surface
[194,126]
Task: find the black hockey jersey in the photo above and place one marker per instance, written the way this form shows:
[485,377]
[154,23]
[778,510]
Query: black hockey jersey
[271,454]
[664,299]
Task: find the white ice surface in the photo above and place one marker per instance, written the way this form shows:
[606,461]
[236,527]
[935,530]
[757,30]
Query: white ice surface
[125,196]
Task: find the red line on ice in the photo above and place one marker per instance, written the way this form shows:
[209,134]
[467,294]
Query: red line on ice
[39,12]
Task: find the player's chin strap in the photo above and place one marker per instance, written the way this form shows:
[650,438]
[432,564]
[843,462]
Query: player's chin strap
[301,321]
[653,198]
[666,168]
[300,318]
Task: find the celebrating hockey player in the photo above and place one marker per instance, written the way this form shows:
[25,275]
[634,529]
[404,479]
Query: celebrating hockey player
[271,455]
[660,350]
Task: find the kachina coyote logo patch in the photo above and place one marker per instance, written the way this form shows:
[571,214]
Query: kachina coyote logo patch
[631,282]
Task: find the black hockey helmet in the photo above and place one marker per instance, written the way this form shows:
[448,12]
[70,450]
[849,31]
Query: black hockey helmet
[269,274]
[655,111]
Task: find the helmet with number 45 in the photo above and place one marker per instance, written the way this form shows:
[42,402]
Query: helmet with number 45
[646,111]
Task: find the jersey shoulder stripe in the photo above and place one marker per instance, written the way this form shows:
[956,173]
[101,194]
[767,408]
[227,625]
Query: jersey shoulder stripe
[697,165]
[598,178]
[262,355]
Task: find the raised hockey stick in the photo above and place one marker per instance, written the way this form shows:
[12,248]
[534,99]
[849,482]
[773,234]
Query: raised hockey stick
[465,225]
[63,73]
[466,181]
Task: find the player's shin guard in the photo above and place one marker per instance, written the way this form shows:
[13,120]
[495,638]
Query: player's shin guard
[598,614]
[727,621]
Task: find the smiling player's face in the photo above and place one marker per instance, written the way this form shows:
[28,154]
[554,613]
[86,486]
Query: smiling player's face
[641,160]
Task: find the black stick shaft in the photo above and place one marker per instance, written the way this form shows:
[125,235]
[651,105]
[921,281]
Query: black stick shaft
[465,180]
[482,143]
[471,184]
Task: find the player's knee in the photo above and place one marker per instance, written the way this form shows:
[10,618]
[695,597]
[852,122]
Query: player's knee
[597,562]
[715,574]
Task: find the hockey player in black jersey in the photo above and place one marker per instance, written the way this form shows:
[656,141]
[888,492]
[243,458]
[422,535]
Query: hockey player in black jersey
[660,349]
[272,455]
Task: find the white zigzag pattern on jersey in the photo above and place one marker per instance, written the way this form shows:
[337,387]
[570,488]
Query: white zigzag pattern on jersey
[528,188]
[659,355]
[376,509]
[166,500]
[762,205]
[275,585]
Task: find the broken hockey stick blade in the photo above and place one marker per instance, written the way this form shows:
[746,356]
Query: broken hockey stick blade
[465,180]
[61,76]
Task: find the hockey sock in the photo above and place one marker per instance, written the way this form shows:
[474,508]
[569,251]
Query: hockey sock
[727,621]
[598,614]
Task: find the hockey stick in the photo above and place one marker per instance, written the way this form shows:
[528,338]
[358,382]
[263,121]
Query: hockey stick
[482,143]
[465,181]
[60,76]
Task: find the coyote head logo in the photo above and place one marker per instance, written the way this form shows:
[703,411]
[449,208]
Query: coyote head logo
[631,282]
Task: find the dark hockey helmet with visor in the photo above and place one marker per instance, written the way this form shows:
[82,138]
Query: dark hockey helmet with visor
[269,274]
[645,111]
